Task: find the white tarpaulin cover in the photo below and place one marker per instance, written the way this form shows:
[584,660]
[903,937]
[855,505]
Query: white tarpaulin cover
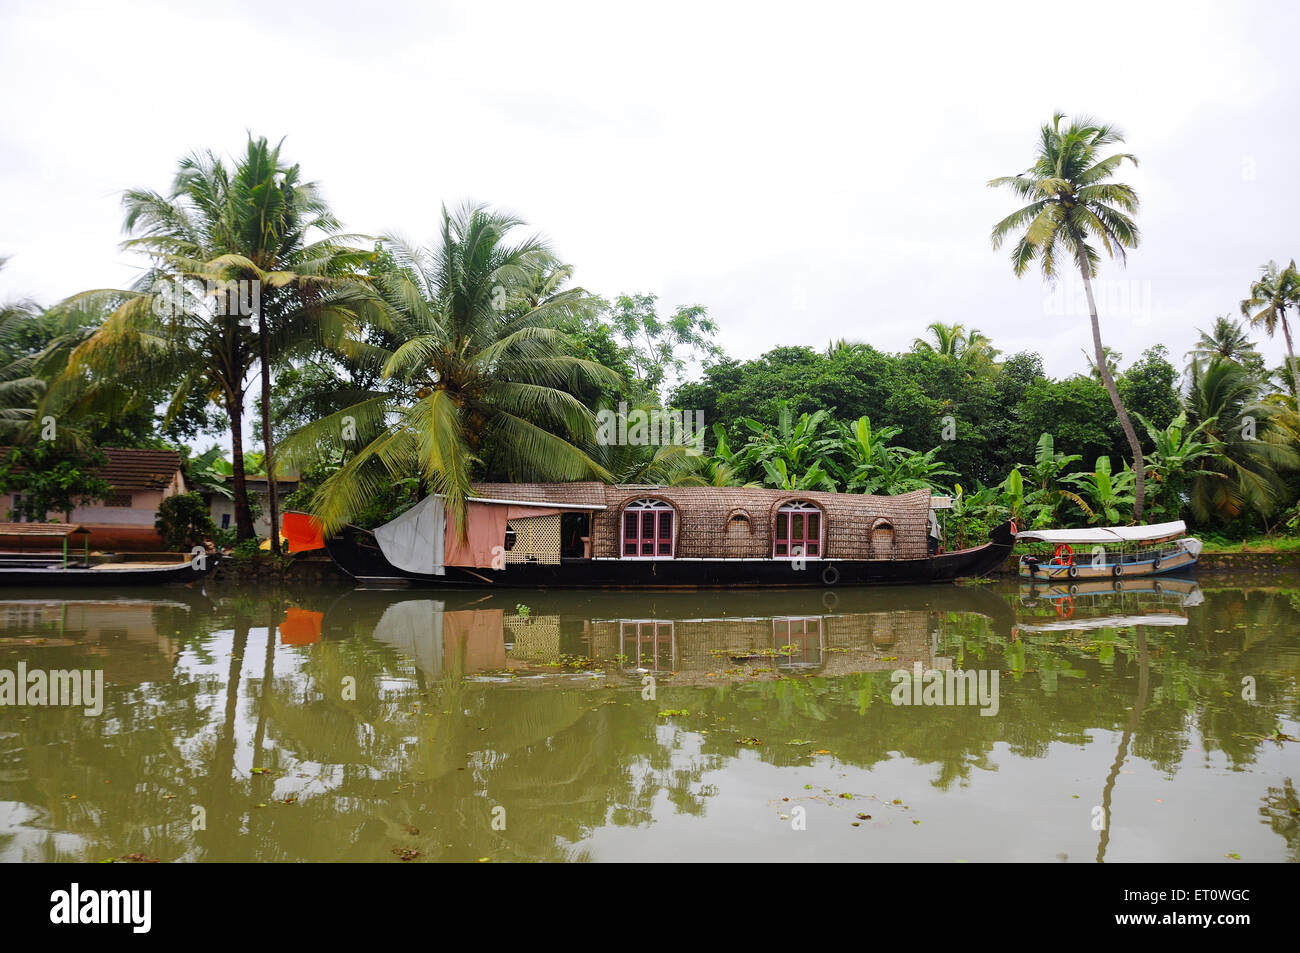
[1105,622]
[1105,534]
[414,540]
[414,627]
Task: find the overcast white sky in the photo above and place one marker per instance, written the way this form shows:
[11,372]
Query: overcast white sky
[807,172]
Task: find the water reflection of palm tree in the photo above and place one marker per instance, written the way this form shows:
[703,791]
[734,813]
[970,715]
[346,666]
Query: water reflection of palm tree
[220,796]
[1144,681]
[268,675]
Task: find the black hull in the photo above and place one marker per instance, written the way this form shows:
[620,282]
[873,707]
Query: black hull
[75,578]
[356,553]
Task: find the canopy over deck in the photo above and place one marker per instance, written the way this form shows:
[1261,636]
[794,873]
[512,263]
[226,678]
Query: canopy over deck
[33,530]
[1154,533]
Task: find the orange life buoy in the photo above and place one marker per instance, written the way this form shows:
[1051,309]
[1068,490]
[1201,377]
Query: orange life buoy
[1068,603]
[1068,552]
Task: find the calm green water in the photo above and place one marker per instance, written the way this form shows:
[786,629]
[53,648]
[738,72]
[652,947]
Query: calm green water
[352,725]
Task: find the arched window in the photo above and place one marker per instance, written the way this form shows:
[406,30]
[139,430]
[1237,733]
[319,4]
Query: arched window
[648,530]
[882,537]
[738,523]
[798,531]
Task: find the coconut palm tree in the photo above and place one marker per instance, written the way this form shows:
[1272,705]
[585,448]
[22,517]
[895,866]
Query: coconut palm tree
[479,378]
[20,387]
[953,342]
[310,294]
[1253,442]
[1227,339]
[1072,208]
[1113,357]
[1276,291]
[35,344]
[226,246]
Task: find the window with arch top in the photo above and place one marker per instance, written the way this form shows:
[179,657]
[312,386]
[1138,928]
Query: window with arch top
[648,530]
[798,531]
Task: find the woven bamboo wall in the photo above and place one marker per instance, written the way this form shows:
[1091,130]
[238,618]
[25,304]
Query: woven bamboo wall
[535,638]
[537,540]
[705,529]
[853,642]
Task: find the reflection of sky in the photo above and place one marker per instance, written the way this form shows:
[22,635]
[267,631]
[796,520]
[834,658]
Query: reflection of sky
[1021,810]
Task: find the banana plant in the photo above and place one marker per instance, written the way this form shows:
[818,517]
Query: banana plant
[1041,502]
[779,477]
[1106,493]
[1174,461]
[799,444]
[867,454]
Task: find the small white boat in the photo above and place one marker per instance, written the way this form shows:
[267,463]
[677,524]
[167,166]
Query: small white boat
[1109,552]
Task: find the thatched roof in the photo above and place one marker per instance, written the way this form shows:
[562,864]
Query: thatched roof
[736,522]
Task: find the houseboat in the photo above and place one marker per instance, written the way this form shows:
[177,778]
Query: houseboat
[1109,552]
[593,535]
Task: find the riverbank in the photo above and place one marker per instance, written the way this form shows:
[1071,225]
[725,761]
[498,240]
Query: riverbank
[306,568]
[317,568]
[1236,563]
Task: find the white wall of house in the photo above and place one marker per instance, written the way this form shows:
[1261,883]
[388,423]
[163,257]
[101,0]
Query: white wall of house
[223,510]
[142,511]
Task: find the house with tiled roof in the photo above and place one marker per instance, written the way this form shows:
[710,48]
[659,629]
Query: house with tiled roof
[123,521]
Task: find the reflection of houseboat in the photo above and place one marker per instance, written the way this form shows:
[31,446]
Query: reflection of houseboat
[589,535]
[1109,552]
[676,633]
[1097,604]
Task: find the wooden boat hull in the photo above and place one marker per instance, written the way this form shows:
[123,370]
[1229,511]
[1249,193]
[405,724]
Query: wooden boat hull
[356,553]
[117,575]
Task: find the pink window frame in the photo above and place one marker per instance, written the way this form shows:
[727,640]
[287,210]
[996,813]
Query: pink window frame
[785,513]
[641,508]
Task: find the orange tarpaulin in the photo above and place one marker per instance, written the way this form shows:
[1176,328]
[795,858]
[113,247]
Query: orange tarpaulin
[475,638]
[301,627]
[485,529]
[302,532]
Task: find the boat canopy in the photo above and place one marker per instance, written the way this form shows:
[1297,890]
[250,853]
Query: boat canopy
[35,530]
[1156,532]
[1104,622]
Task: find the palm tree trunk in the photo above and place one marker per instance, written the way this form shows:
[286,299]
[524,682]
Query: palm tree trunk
[1290,359]
[1139,466]
[243,515]
[1135,719]
[268,441]
[268,676]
